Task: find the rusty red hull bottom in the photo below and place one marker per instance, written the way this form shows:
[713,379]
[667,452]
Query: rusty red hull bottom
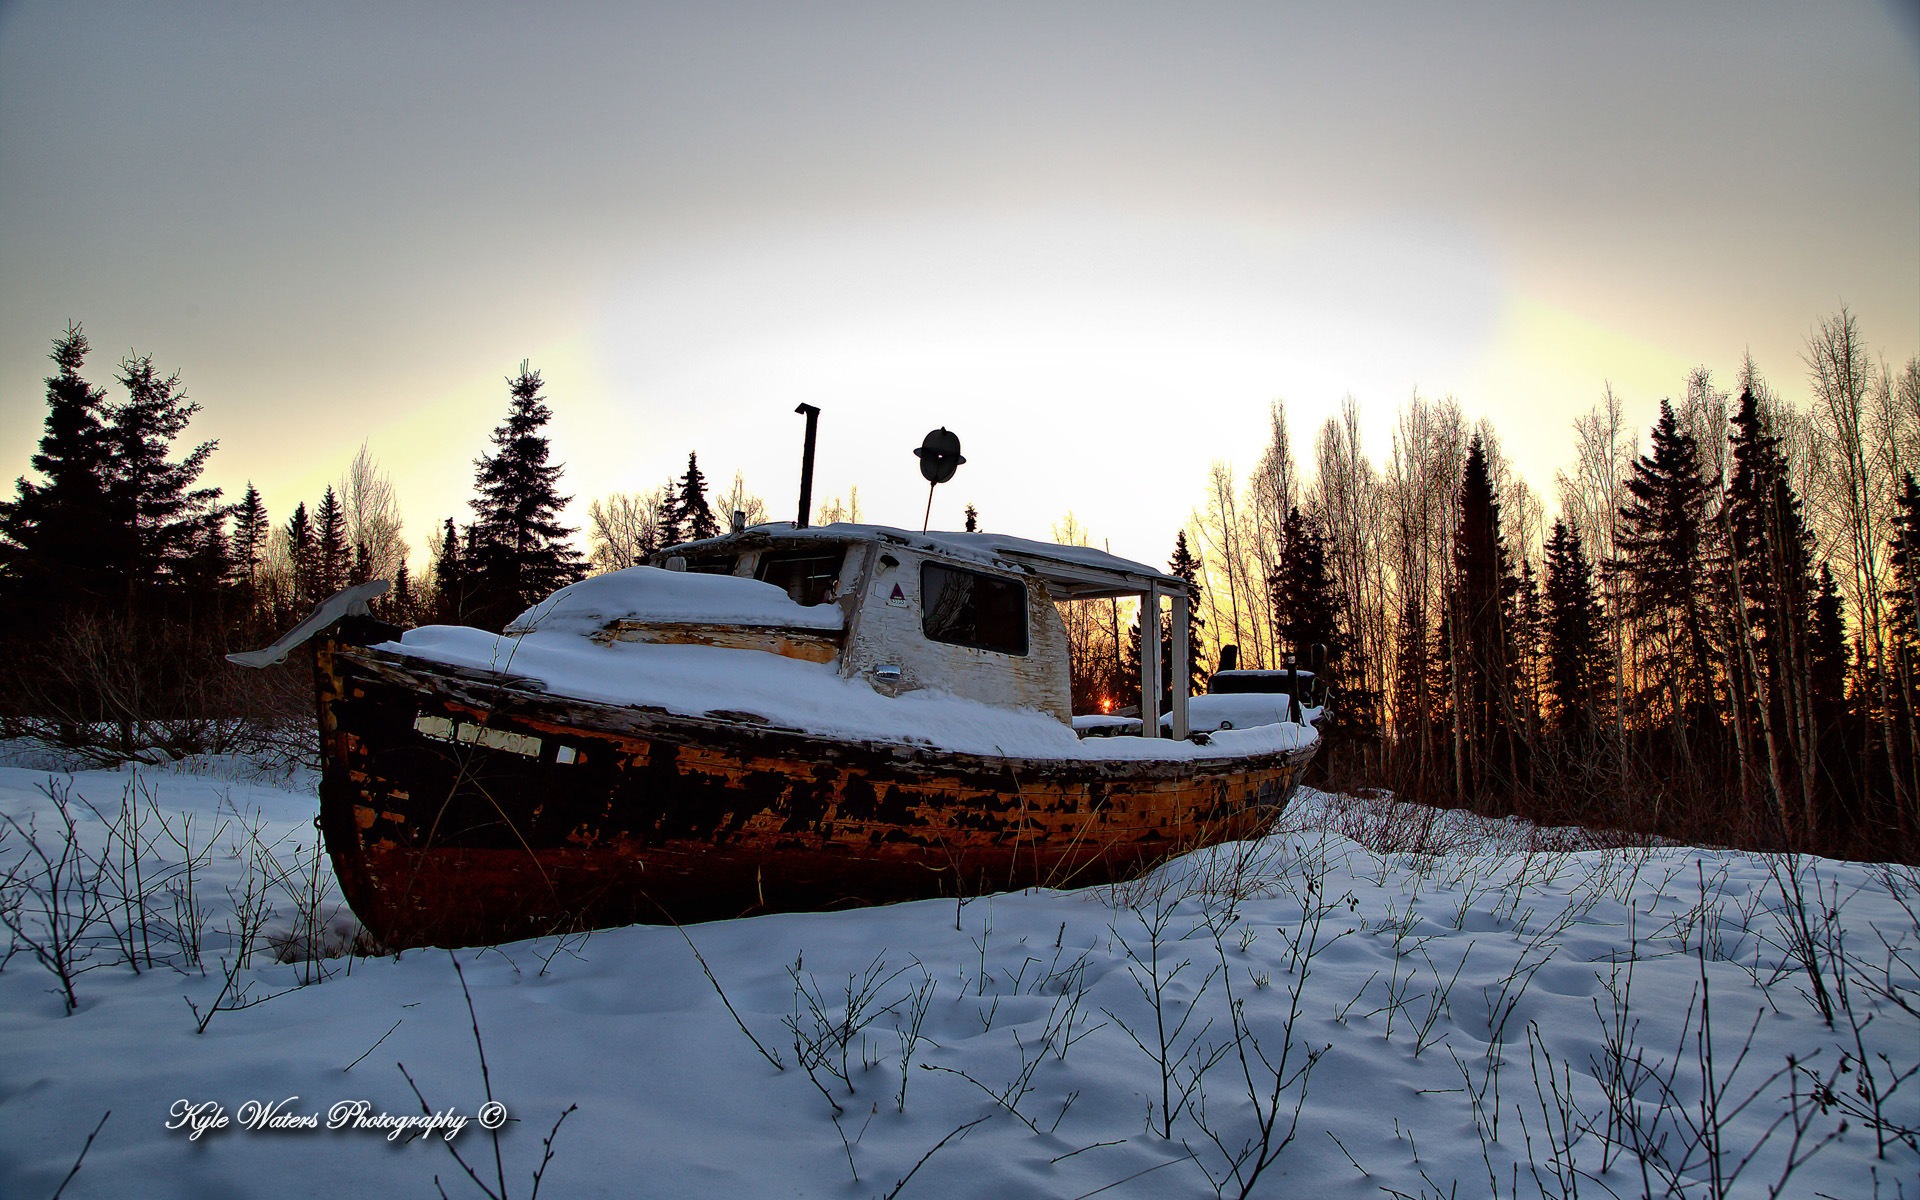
[459,812]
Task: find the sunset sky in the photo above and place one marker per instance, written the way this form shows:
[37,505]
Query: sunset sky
[1094,240]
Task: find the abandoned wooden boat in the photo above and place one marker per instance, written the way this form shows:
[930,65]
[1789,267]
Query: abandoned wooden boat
[779,718]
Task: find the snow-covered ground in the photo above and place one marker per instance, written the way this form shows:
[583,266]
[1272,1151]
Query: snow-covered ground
[1375,1000]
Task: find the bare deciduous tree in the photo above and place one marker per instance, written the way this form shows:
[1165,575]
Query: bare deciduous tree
[370,511]
[624,527]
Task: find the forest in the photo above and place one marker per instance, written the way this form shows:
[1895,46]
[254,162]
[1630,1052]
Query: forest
[1711,630]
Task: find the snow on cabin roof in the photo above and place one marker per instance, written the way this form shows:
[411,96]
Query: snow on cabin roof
[1074,572]
[668,597]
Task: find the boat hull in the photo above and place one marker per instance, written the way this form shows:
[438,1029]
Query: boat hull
[461,810]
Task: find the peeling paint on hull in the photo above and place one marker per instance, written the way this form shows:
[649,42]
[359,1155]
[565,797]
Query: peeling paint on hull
[462,812]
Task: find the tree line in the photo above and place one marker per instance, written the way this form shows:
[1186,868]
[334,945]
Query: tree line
[1716,636]
[124,578]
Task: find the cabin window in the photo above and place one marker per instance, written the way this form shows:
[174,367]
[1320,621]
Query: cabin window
[809,576]
[710,564]
[968,608]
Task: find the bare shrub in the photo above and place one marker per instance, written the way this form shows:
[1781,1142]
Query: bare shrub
[824,1030]
[1155,963]
[53,903]
[1268,1077]
[497,1189]
[1808,927]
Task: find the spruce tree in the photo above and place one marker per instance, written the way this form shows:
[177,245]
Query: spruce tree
[1306,601]
[160,515]
[1829,651]
[1770,559]
[1770,538]
[1839,729]
[1483,615]
[449,579]
[520,549]
[691,504]
[671,527]
[973,519]
[1905,558]
[1187,568]
[331,553]
[301,556]
[55,535]
[1576,657]
[1661,554]
[1754,488]
[401,607]
[249,533]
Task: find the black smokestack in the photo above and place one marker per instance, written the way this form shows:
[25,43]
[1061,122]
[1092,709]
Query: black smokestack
[806,464]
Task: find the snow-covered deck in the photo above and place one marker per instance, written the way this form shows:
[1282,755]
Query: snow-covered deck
[804,696]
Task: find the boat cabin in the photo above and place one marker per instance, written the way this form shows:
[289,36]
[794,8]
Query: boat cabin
[971,613]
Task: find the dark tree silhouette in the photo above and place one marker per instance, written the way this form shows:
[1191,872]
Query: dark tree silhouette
[1768,575]
[160,514]
[1829,639]
[449,578]
[303,557]
[1661,554]
[250,529]
[690,504]
[401,606]
[1575,654]
[1306,600]
[1905,558]
[520,549]
[330,551]
[1483,649]
[55,535]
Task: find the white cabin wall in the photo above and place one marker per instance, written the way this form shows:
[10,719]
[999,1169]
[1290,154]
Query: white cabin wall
[885,631]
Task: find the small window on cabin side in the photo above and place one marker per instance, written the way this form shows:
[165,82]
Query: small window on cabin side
[809,576]
[711,564]
[968,608]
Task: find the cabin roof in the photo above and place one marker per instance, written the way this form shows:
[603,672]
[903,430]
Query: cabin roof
[1071,572]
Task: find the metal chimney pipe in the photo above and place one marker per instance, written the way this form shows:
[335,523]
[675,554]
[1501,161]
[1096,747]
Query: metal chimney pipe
[806,464]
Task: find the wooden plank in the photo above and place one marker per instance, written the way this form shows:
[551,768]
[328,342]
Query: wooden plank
[806,645]
[1182,672]
[1150,663]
